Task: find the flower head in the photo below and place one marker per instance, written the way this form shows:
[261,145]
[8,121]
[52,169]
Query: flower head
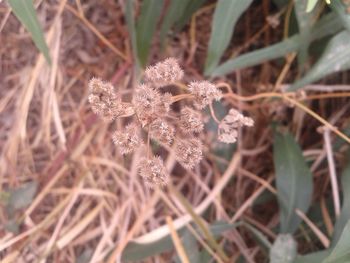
[164,73]
[150,104]
[153,172]
[190,120]
[105,101]
[127,140]
[228,127]
[189,152]
[204,93]
[162,131]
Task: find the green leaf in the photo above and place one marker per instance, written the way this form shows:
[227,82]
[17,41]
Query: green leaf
[328,25]
[146,26]
[226,15]
[335,58]
[284,249]
[85,256]
[191,247]
[345,211]
[305,21]
[192,7]
[137,251]
[21,197]
[174,13]
[130,22]
[339,8]
[259,236]
[316,257]
[25,12]
[293,181]
[341,252]
[311,5]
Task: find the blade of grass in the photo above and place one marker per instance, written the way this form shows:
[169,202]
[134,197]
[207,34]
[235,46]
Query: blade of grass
[176,240]
[345,211]
[328,25]
[341,252]
[200,223]
[340,9]
[146,26]
[190,9]
[25,12]
[335,58]
[130,22]
[305,21]
[226,14]
[174,13]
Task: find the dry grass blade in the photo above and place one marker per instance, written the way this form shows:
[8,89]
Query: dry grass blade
[200,223]
[177,242]
[77,229]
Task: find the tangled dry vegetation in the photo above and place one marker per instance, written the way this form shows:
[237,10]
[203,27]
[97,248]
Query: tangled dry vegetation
[89,200]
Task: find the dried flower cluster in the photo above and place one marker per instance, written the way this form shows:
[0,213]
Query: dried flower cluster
[155,119]
[228,127]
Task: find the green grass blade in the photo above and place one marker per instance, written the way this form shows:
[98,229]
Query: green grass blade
[341,252]
[345,211]
[335,58]
[174,13]
[339,8]
[130,23]
[226,15]
[316,257]
[293,181]
[192,7]
[137,251]
[191,247]
[305,21]
[25,12]
[328,25]
[146,26]
[256,57]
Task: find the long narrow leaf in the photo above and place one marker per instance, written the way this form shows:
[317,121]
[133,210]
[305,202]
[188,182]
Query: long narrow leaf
[335,58]
[316,257]
[345,212]
[226,15]
[339,7]
[146,26]
[137,251]
[328,25]
[130,22]
[341,252]
[175,11]
[192,7]
[25,12]
[293,180]
[305,20]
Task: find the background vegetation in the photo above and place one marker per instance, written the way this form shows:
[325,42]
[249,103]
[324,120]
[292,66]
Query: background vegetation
[282,194]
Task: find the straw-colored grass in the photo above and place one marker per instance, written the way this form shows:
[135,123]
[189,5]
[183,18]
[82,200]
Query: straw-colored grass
[90,198]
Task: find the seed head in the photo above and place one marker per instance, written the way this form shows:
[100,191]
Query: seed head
[128,140]
[189,152]
[150,104]
[204,93]
[228,127]
[190,120]
[162,131]
[164,73]
[153,172]
[104,100]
